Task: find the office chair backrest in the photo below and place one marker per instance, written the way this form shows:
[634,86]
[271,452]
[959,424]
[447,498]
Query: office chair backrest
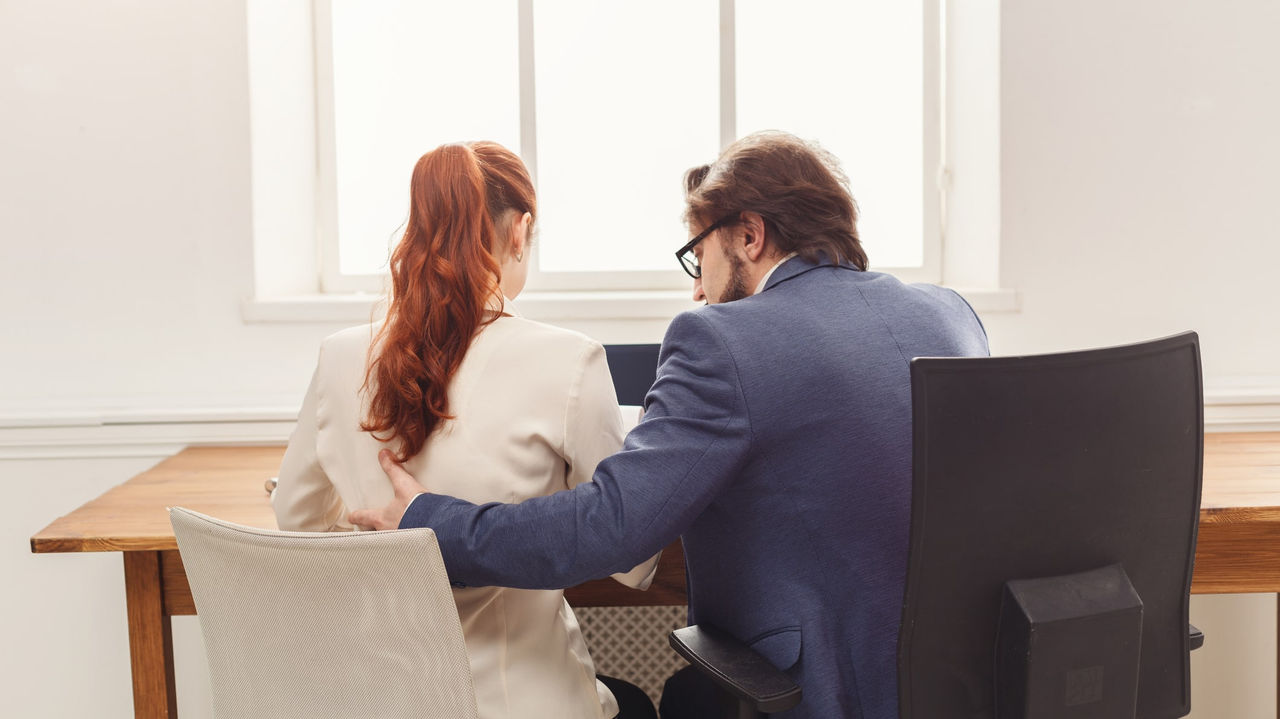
[341,624]
[1032,467]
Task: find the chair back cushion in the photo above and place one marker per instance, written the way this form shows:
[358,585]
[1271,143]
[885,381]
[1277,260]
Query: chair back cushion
[1045,466]
[342,624]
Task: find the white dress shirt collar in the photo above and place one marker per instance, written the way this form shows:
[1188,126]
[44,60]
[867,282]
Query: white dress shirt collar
[765,280]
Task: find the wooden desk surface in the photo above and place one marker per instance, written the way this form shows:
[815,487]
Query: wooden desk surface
[228,483]
[1241,476]
[1239,518]
[223,482]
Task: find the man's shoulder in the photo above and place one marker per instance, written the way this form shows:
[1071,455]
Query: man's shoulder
[707,319]
[832,301]
[937,292]
[886,293]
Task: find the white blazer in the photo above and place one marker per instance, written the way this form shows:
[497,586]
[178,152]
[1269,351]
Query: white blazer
[535,411]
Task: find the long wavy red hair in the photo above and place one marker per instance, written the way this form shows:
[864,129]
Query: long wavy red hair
[444,273]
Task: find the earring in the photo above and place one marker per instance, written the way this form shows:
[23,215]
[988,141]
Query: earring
[520,257]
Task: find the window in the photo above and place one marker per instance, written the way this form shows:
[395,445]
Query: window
[851,75]
[627,99]
[608,103]
[385,96]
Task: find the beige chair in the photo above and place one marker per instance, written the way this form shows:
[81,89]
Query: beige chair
[343,624]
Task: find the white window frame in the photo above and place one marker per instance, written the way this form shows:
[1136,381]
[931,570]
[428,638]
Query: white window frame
[332,281]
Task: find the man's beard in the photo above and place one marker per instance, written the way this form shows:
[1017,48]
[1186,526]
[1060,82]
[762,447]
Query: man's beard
[737,287]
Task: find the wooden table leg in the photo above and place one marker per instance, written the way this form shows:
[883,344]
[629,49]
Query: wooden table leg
[150,638]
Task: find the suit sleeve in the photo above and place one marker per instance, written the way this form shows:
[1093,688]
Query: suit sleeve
[305,500]
[695,437]
[593,431]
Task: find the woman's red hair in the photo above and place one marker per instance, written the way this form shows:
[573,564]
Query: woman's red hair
[443,275]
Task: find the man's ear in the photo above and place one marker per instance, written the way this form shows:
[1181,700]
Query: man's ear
[754,241]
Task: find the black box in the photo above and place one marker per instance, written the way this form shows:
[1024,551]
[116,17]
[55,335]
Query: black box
[1068,647]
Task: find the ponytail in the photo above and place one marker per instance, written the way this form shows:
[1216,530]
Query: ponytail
[443,275]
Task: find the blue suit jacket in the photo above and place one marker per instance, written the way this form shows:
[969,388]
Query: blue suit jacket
[777,442]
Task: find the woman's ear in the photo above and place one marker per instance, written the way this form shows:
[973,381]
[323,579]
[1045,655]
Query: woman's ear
[520,235]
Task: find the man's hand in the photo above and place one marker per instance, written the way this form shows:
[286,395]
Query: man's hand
[406,488]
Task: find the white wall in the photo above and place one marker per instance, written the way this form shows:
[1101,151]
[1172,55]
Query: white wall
[63,615]
[1137,152]
[1138,168]
[125,210]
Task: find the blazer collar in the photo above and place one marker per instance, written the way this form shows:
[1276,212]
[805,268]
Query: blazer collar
[797,266]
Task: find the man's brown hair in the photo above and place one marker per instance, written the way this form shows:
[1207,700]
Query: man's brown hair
[796,186]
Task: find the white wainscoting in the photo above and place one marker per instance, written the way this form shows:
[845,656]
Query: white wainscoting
[63,615]
[1235,405]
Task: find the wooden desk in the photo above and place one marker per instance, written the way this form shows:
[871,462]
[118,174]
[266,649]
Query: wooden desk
[1238,550]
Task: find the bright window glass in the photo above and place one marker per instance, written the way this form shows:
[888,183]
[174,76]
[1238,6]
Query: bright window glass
[627,99]
[848,74]
[408,76]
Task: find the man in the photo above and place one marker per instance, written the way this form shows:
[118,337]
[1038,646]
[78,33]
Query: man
[776,440]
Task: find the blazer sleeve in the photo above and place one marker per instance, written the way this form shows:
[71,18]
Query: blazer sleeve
[305,500]
[593,431]
[695,438]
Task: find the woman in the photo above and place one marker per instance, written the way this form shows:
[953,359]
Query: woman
[489,406]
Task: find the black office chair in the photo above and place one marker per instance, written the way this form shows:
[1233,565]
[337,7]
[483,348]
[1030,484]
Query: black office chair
[757,687]
[1054,512]
[1055,505]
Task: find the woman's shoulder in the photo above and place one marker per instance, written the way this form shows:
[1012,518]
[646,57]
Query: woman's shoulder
[542,337]
[546,361]
[349,345]
[359,336]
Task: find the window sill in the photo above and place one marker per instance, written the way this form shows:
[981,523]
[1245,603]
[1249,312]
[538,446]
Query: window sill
[991,300]
[354,308]
[543,306]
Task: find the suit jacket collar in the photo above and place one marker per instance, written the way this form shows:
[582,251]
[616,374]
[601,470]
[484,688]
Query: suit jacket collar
[797,266]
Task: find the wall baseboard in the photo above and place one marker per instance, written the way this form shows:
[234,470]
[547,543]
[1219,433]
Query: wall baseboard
[1243,405]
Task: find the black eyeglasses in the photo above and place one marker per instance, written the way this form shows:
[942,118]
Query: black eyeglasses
[688,260]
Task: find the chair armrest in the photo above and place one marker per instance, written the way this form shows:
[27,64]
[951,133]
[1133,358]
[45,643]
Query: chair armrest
[736,667]
[1196,636]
